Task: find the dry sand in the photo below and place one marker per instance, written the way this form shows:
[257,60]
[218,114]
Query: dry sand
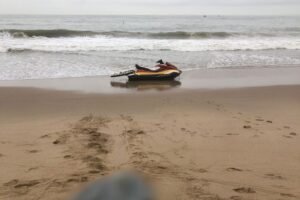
[192,144]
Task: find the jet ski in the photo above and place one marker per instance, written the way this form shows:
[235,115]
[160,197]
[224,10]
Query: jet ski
[165,72]
[164,75]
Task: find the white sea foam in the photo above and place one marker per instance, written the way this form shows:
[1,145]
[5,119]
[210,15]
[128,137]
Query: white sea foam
[102,43]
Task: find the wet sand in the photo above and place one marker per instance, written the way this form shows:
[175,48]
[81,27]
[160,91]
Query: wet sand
[215,78]
[240,143]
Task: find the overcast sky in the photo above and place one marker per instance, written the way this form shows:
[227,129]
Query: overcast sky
[193,7]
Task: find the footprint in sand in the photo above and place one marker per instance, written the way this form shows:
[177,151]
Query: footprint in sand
[1,155]
[11,183]
[140,155]
[247,127]
[236,198]
[188,131]
[32,168]
[244,190]
[133,132]
[77,178]
[260,120]
[293,134]
[30,183]
[94,162]
[61,140]
[269,121]
[287,195]
[274,176]
[201,170]
[45,136]
[68,156]
[33,151]
[232,134]
[94,172]
[21,187]
[98,146]
[158,125]
[233,169]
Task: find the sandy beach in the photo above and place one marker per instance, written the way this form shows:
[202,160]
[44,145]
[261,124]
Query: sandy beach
[222,143]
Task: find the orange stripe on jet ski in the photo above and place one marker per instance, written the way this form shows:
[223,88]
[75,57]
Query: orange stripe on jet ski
[158,73]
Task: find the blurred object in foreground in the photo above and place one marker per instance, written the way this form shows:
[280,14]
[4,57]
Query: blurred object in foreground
[122,186]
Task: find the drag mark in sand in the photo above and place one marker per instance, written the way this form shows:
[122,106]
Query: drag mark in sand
[84,143]
[91,144]
[158,150]
[18,187]
[158,167]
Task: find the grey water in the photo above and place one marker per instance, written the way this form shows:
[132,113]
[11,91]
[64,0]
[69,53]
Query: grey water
[38,47]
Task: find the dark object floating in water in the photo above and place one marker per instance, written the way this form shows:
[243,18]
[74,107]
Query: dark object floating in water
[122,186]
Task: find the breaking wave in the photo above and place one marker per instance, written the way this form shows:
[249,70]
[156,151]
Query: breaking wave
[63,40]
[57,33]
[170,35]
[52,33]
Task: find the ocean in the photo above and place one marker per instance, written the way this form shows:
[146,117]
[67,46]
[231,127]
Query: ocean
[41,47]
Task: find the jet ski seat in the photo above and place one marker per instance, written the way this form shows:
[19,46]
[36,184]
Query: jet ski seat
[143,68]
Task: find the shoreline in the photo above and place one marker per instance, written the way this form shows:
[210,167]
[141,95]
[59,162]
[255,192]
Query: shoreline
[216,78]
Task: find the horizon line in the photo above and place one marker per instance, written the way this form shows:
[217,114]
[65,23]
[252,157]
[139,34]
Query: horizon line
[43,14]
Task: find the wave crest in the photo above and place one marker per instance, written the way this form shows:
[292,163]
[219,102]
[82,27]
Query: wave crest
[57,33]
[51,33]
[169,35]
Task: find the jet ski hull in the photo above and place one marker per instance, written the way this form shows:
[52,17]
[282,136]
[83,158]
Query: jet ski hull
[154,76]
